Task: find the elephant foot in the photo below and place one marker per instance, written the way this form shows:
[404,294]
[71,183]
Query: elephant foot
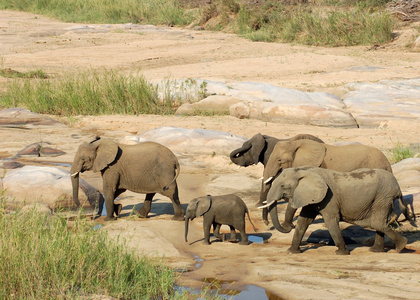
[376,249]
[287,227]
[293,250]
[178,218]
[244,242]
[401,244]
[344,251]
[140,215]
[108,218]
[206,243]
[266,222]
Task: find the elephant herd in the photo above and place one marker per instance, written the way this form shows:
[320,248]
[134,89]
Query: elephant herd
[352,183]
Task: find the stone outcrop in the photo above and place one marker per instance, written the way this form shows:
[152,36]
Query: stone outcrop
[48,185]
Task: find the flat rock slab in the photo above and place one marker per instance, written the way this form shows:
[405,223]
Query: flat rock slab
[20,117]
[373,104]
[190,141]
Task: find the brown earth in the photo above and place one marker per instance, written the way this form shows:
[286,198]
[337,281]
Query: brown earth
[29,42]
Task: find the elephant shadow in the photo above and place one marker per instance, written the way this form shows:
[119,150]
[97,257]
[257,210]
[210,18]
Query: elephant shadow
[354,236]
[159,207]
[253,238]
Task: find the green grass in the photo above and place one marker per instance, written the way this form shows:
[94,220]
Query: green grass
[399,153]
[159,12]
[313,26]
[87,93]
[320,23]
[43,259]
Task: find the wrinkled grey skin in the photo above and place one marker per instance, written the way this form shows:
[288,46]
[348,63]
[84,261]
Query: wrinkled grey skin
[218,210]
[258,150]
[364,197]
[292,154]
[147,168]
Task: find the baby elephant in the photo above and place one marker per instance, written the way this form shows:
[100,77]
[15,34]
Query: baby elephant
[217,210]
[363,197]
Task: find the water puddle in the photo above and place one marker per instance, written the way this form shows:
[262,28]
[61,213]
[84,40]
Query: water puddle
[224,289]
[55,163]
[256,239]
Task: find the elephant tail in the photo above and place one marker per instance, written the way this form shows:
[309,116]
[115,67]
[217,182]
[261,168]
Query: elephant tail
[177,171]
[250,221]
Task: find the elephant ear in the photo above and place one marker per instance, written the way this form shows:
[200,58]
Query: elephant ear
[258,144]
[204,205]
[311,189]
[308,153]
[106,152]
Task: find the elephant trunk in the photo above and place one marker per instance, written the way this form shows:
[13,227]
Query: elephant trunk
[75,184]
[275,218]
[187,219]
[236,156]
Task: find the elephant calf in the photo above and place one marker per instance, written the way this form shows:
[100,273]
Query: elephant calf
[218,210]
[364,197]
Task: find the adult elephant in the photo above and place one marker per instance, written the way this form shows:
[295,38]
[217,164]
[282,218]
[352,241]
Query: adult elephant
[292,154]
[363,197]
[258,150]
[147,168]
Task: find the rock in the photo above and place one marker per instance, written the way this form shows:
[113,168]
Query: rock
[190,141]
[40,149]
[48,185]
[11,164]
[12,117]
[373,104]
[211,105]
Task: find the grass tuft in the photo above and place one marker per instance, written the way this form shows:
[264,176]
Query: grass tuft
[87,93]
[399,153]
[43,259]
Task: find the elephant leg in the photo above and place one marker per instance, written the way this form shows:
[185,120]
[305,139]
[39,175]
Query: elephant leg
[244,236]
[109,204]
[335,231]
[206,227]
[399,240]
[232,237]
[288,218]
[263,197]
[305,218]
[118,206]
[172,193]
[147,205]
[379,244]
[379,223]
[216,231]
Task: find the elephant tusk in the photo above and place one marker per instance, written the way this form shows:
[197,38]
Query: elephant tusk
[267,205]
[268,180]
[261,178]
[74,174]
[239,167]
